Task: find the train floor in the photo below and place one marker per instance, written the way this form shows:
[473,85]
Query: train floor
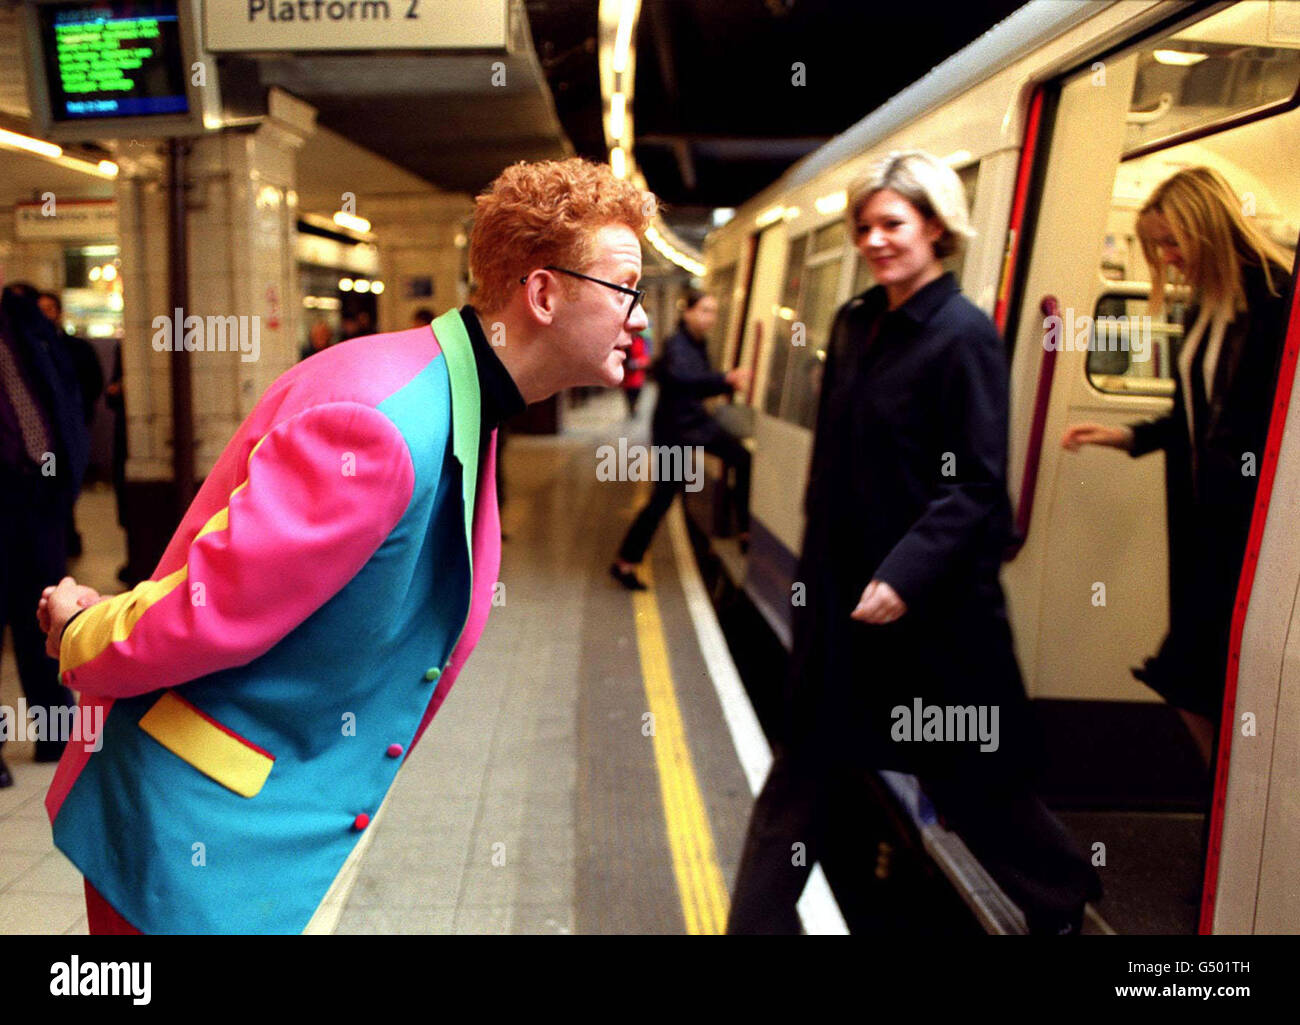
[593,770]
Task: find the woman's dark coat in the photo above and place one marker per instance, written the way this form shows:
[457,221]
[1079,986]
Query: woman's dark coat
[685,380]
[908,486]
[1210,492]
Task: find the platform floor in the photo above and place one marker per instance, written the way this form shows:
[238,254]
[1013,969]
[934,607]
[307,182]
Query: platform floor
[538,801]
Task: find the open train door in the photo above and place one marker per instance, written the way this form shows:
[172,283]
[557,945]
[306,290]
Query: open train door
[1089,588]
[1081,615]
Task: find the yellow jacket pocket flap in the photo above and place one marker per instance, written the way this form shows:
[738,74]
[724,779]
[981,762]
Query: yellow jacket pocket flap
[204,743]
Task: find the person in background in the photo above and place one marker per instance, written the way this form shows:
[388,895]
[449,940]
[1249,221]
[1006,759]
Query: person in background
[634,374]
[1226,375]
[115,400]
[319,337]
[423,317]
[44,449]
[90,377]
[907,518]
[685,380]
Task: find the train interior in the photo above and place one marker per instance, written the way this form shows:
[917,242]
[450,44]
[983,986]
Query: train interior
[1222,92]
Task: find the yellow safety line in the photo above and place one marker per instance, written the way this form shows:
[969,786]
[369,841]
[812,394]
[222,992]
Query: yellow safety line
[695,861]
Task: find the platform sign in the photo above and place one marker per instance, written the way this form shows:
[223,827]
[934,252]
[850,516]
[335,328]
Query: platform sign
[120,58]
[243,26]
[67,220]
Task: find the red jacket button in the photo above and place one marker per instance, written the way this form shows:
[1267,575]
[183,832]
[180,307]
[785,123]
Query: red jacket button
[361,821]
[394,750]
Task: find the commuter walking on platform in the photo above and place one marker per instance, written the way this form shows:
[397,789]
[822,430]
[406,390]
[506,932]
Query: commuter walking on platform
[903,617]
[685,380]
[44,450]
[337,566]
[1226,375]
[634,374]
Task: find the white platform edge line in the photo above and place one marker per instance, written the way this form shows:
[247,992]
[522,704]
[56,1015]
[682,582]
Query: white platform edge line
[817,908]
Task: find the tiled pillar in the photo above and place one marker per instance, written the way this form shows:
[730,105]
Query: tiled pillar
[242,221]
[418,237]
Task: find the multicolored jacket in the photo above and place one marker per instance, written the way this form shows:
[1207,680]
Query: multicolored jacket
[306,621]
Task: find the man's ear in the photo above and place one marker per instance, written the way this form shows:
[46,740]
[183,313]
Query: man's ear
[541,292]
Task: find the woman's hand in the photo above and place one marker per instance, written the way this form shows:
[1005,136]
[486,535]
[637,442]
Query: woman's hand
[879,604]
[1096,434]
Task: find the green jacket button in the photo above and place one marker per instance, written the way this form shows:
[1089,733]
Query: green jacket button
[432,674]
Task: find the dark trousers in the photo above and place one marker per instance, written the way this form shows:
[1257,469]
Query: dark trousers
[33,536]
[811,809]
[631,395]
[643,528]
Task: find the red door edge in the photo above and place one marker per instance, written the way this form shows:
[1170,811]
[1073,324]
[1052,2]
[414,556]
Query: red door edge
[1263,496]
[1018,204]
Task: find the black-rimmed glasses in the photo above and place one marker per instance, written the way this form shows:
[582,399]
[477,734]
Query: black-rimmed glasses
[637,294]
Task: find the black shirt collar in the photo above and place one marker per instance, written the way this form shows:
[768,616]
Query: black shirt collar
[924,303]
[498,394]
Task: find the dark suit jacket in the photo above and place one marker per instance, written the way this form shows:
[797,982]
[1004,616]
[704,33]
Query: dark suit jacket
[49,368]
[685,381]
[1210,491]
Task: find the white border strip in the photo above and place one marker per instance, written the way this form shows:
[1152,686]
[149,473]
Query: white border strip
[817,908]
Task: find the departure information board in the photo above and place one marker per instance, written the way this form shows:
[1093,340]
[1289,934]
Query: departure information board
[113,58]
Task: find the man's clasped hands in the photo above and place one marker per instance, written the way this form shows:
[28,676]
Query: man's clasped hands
[58,604]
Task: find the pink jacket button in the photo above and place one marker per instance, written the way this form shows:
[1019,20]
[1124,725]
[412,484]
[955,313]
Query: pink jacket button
[361,821]
[394,750]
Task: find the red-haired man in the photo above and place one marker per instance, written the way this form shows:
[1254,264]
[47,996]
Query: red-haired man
[225,797]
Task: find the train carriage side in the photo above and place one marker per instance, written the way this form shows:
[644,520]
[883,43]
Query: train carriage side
[1118,115]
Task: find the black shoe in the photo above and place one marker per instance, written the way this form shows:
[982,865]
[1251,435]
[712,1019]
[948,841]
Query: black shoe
[6,780]
[49,750]
[626,577]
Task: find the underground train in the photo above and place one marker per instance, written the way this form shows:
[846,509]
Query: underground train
[1059,122]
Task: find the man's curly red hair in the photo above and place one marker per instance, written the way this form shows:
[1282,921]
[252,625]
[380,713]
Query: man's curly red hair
[546,213]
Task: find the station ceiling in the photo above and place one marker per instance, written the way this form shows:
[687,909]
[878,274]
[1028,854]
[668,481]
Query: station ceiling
[716,114]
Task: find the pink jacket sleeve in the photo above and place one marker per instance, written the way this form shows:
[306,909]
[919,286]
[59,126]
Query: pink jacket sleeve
[322,491]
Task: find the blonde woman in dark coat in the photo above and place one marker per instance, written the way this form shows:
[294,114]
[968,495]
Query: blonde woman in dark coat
[907,521]
[1213,438]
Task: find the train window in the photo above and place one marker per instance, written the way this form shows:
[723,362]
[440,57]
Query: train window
[779,361]
[816,311]
[969,176]
[832,236]
[782,338]
[722,285]
[1206,74]
[1129,351]
[794,271]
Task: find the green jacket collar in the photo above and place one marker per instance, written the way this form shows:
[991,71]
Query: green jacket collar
[466,415]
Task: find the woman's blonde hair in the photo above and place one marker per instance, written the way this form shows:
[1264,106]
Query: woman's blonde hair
[928,184]
[1215,237]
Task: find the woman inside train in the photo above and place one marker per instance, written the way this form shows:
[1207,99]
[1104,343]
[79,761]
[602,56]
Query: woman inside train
[903,656]
[1192,230]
